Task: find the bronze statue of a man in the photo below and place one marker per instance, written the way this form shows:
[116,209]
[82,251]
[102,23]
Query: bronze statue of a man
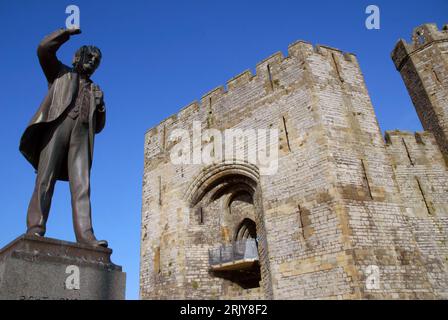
[58,142]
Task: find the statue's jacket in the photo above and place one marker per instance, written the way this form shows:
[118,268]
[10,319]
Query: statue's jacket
[63,87]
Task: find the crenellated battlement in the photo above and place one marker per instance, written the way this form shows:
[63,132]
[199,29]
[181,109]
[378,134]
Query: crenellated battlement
[239,80]
[418,148]
[422,36]
[420,137]
[267,70]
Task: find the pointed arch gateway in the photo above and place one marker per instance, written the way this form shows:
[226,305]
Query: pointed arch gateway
[235,181]
[247,229]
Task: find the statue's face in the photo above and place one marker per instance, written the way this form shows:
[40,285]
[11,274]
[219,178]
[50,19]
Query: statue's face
[87,60]
[91,62]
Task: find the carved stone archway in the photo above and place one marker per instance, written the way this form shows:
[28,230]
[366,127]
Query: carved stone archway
[213,181]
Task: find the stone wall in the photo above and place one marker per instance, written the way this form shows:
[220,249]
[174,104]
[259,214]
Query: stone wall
[422,178]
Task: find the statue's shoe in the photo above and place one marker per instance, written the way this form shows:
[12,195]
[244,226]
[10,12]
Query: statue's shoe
[95,243]
[35,232]
[101,243]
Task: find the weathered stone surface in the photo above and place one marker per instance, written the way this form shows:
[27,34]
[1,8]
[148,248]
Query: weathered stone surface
[36,268]
[344,199]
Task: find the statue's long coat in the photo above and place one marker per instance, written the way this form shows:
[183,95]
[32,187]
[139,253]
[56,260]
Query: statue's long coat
[63,87]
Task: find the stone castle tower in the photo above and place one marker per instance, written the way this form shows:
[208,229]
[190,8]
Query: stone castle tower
[423,64]
[347,214]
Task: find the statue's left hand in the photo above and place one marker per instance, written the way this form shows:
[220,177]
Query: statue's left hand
[99,97]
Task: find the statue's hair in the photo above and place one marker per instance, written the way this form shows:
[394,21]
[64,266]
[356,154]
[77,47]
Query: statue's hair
[84,50]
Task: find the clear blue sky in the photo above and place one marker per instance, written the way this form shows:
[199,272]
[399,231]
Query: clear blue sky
[158,56]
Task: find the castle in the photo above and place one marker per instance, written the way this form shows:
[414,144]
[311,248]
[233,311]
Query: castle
[348,214]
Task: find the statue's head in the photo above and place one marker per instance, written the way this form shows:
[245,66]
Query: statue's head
[86,60]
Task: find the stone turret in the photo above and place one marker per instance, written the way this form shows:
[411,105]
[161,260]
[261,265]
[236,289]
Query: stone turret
[423,65]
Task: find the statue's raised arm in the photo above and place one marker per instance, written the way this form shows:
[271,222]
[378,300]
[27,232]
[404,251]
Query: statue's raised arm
[46,51]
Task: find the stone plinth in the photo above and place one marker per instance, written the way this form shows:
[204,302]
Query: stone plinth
[38,268]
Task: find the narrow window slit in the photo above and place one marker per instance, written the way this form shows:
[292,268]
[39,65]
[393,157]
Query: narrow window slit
[436,76]
[407,151]
[270,77]
[423,195]
[286,133]
[157,268]
[301,221]
[160,190]
[201,215]
[366,178]
[336,66]
[164,138]
[210,112]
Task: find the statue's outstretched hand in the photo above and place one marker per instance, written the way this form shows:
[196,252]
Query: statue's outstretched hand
[73,31]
